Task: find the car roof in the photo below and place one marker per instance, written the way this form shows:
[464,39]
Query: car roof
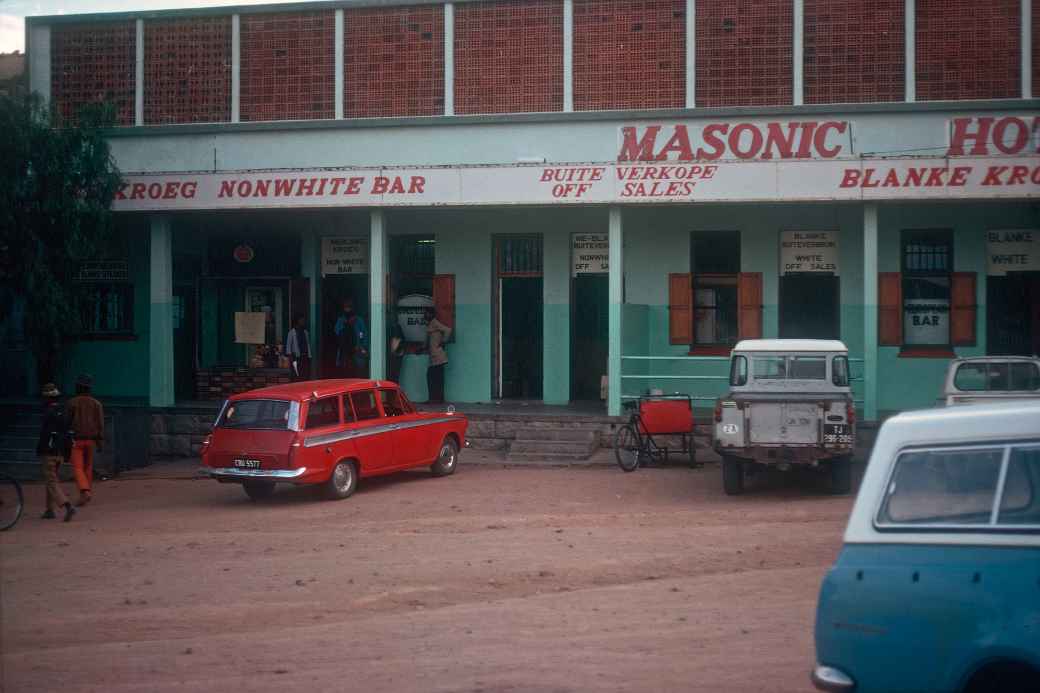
[969,359]
[970,424]
[306,389]
[790,345]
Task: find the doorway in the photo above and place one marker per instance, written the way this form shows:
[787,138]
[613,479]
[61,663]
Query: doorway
[184,346]
[590,330]
[518,318]
[335,288]
[809,306]
[1013,314]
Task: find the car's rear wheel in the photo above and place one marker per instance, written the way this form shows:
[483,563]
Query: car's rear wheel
[447,458]
[732,475]
[258,490]
[841,475]
[342,482]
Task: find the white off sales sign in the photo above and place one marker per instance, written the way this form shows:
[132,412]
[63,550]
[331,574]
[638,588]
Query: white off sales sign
[808,251]
[1012,251]
[344,255]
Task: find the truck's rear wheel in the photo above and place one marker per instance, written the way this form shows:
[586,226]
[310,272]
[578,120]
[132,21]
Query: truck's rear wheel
[841,475]
[732,475]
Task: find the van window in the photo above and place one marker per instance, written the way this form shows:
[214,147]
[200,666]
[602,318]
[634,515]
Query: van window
[267,414]
[840,371]
[391,403]
[364,405]
[1025,376]
[738,371]
[1000,376]
[1020,503]
[323,412]
[943,487]
[970,377]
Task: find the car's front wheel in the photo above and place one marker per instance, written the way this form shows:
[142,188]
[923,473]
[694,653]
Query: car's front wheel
[447,458]
[258,490]
[342,481]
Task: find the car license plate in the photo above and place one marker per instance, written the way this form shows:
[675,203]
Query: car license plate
[837,434]
[247,464]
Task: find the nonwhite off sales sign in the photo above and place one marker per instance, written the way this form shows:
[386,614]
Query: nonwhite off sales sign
[344,255]
[808,251]
[590,253]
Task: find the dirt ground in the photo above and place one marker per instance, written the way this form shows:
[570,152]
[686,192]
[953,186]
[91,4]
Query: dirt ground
[494,579]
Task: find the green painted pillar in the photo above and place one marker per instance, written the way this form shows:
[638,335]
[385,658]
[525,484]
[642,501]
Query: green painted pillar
[377,292]
[160,324]
[615,291]
[310,252]
[556,322]
[870,312]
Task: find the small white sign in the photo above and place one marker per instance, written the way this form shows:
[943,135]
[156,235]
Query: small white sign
[1012,251]
[926,321]
[808,251]
[590,253]
[344,255]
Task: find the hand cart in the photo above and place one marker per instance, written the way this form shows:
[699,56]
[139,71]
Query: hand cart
[655,415]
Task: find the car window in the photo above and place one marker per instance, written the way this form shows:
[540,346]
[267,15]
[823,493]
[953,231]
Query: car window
[323,412]
[391,403]
[348,411]
[738,371]
[256,413]
[999,378]
[1020,503]
[364,405]
[790,367]
[1024,376]
[942,487]
[970,377]
[769,367]
[840,371]
[409,408]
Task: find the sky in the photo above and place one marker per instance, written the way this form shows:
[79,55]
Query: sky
[14,12]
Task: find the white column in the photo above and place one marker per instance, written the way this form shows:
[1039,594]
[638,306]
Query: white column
[870,312]
[797,87]
[1027,49]
[339,64]
[449,58]
[139,75]
[568,55]
[691,53]
[160,323]
[615,290]
[377,294]
[38,50]
[910,50]
[236,65]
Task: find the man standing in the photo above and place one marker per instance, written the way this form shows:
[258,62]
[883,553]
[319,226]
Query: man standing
[53,449]
[298,349]
[351,342]
[87,421]
[437,333]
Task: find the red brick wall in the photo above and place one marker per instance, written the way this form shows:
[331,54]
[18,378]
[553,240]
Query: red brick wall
[288,67]
[968,49]
[92,63]
[629,54]
[187,70]
[394,62]
[509,56]
[744,53]
[854,51]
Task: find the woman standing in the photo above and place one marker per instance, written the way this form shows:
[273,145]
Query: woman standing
[437,333]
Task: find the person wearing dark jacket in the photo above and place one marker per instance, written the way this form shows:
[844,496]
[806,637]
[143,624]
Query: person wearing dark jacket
[86,418]
[53,448]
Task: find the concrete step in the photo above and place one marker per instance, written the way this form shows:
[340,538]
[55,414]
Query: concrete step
[552,447]
[542,457]
[557,434]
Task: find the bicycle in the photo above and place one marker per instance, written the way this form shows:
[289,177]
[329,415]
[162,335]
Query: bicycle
[670,415]
[12,502]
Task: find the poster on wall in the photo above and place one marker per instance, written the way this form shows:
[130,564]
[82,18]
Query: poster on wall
[590,253]
[1012,251]
[344,255]
[808,252]
[250,328]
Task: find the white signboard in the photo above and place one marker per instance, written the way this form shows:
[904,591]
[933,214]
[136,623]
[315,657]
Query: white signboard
[808,251]
[926,321]
[344,255]
[1012,251]
[250,328]
[590,253]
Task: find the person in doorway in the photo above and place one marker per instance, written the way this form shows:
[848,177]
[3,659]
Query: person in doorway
[396,352]
[86,418]
[351,342]
[298,349]
[53,448]
[437,333]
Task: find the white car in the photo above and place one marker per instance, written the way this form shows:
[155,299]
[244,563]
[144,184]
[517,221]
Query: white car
[991,379]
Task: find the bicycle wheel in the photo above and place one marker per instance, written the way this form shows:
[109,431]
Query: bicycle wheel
[11,502]
[628,448]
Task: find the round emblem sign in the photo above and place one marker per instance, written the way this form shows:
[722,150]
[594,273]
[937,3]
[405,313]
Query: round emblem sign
[244,253]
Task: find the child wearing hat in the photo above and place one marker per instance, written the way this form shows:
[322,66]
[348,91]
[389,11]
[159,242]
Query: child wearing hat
[53,449]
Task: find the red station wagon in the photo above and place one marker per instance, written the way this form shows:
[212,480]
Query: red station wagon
[328,432]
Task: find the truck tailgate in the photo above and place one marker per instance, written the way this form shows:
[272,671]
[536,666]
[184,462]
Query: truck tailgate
[779,423]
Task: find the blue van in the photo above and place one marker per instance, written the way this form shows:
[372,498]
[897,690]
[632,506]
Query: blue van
[937,587]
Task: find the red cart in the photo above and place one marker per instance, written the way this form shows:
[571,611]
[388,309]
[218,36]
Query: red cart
[655,415]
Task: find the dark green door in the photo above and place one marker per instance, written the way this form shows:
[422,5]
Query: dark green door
[521,337]
[809,307]
[184,333]
[589,335]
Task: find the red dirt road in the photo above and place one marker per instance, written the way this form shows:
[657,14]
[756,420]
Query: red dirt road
[494,579]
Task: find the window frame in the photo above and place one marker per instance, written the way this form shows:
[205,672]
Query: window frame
[125,290]
[713,280]
[378,406]
[992,527]
[909,237]
[339,413]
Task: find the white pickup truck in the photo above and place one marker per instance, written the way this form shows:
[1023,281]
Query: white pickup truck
[789,403]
